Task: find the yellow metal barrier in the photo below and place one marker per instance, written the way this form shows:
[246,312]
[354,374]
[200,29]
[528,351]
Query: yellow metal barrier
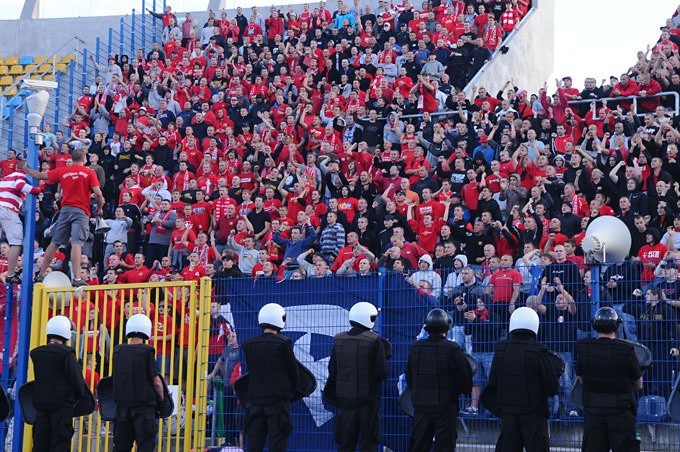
[180,313]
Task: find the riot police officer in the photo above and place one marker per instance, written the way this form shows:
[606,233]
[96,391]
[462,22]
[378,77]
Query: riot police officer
[522,377]
[437,373]
[137,388]
[273,378]
[610,373]
[58,385]
[356,369]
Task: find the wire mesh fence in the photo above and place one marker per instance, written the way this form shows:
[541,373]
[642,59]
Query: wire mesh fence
[479,300]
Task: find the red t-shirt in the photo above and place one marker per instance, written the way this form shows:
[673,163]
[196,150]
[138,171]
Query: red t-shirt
[502,282]
[77,183]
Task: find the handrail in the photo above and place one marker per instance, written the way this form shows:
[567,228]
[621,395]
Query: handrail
[675,95]
[434,113]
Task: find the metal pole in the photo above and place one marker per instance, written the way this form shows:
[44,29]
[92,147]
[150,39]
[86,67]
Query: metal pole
[10,128]
[122,36]
[26,296]
[143,25]
[108,54]
[97,51]
[595,290]
[132,34]
[84,80]
[153,21]
[57,100]
[70,86]
[7,346]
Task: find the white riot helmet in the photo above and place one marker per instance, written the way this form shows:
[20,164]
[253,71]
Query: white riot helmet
[59,326]
[138,325]
[524,319]
[364,314]
[272,315]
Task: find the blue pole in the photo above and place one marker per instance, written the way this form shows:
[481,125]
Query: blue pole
[153,21]
[143,24]
[122,36]
[382,282]
[97,51]
[132,34]
[110,43]
[595,290]
[70,86]
[7,345]
[84,80]
[26,297]
[25,134]
[10,128]
[57,101]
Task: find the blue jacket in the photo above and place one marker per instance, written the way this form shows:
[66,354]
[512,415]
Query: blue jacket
[294,249]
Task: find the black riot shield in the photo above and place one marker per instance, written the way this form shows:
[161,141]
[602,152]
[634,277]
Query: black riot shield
[83,407]
[107,405]
[306,385]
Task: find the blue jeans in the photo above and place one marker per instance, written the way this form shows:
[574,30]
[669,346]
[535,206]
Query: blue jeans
[484,361]
[566,383]
[457,333]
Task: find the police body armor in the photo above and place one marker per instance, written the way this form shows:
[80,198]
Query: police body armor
[132,385]
[263,352]
[433,386]
[353,379]
[607,389]
[52,389]
[518,389]
[644,356]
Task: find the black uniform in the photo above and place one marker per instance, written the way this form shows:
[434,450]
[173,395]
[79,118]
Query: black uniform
[273,377]
[58,385]
[608,368]
[357,366]
[523,377]
[437,373]
[134,368]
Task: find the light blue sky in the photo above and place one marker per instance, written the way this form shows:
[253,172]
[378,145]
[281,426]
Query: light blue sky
[595,38]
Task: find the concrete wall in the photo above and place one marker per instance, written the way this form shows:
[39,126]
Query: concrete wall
[531,58]
[45,36]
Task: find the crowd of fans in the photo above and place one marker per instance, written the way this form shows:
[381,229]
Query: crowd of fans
[337,142]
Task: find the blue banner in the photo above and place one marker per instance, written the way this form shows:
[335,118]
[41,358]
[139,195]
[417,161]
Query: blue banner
[316,310]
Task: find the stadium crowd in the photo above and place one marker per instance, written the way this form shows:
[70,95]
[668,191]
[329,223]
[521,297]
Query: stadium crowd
[335,142]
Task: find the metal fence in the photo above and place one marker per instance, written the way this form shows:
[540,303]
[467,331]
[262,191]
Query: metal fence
[179,312]
[317,309]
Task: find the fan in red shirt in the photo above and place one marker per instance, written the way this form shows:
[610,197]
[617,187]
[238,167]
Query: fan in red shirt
[428,232]
[505,284]
[139,274]
[194,271]
[73,224]
[651,254]
[201,210]
[8,166]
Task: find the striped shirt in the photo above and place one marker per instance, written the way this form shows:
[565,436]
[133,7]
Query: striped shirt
[13,190]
